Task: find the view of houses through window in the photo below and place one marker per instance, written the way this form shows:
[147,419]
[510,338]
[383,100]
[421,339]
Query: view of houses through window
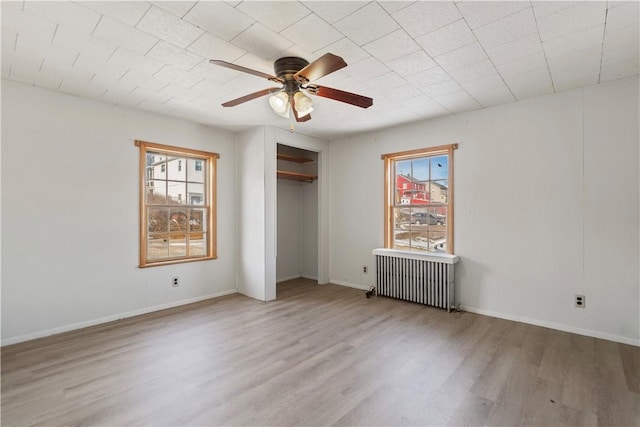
[176,207]
[418,203]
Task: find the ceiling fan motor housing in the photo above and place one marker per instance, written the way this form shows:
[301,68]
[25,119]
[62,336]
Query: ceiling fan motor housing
[289,65]
[285,68]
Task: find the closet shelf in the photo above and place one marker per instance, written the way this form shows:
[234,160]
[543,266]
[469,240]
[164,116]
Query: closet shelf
[297,176]
[291,158]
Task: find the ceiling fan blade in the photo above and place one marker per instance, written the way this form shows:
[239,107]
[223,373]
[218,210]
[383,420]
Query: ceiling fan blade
[299,119]
[251,96]
[326,64]
[340,95]
[245,70]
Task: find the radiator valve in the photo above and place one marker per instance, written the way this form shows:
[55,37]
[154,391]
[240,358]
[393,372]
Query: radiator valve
[371,292]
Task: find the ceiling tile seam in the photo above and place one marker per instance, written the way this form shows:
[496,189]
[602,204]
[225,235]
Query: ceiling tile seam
[204,60]
[142,17]
[575,32]
[604,31]
[364,4]
[187,12]
[403,7]
[15,42]
[199,81]
[487,55]
[462,47]
[60,85]
[546,60]
[55,31]
[500,19]
[154,45]
[198,38]
[96,26]
[113,53]
[311,12]
[291,25]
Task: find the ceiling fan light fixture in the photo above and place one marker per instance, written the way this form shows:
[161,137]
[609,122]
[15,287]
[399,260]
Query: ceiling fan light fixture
[280,104]
[303,104]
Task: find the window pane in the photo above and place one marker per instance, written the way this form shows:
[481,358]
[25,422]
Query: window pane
[176,193]
[195,194]
[178,220]
[195,170]
[158,166]
[177,244]
[403,167]
[197,220]
[174,169]
[420,169]
[439,167]
[158,220]
[156,192]
[420,216]
[438,191]
[419,237]
[401,228]
[438,231]
[157,246]
[197,244]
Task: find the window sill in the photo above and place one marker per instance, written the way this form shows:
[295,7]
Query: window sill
[424,256]
[174,261]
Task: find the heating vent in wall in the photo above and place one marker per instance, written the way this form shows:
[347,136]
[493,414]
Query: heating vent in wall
[416,277]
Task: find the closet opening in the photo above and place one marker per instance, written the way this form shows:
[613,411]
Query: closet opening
[297,216]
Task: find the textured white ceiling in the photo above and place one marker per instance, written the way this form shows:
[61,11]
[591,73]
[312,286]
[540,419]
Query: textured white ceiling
[415,59]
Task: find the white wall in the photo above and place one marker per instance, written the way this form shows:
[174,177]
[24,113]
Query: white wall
[289,241]
[70,214]
[251,213]
[546,206]
[309,222]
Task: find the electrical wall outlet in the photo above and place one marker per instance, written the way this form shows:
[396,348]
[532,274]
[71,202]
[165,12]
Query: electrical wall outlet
[175,282]
[365,269]
[580,301]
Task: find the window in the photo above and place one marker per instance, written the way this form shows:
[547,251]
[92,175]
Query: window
[174,228]
[419,199]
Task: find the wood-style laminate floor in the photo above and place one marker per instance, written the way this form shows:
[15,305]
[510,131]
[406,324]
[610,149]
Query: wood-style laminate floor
[319,355]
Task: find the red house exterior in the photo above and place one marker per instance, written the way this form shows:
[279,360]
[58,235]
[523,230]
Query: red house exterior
[410,191]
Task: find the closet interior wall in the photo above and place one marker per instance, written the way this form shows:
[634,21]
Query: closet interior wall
[297,217]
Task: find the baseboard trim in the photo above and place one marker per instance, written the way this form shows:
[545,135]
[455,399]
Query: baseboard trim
[553,325]
[350,285]
[106,319]
[302,276]
[284,279]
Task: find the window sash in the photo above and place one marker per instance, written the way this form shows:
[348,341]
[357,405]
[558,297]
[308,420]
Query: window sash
[208,231]
[390,161]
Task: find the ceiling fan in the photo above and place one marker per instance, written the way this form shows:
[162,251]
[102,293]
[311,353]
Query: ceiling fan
[295,75]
